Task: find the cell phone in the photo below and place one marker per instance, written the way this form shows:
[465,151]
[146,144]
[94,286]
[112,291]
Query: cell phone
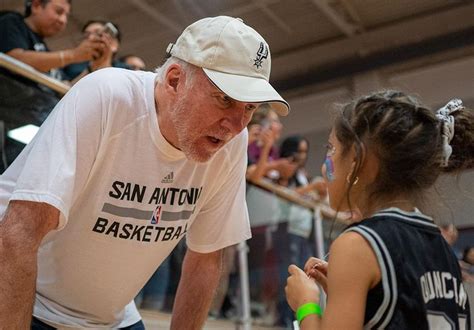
[110,29]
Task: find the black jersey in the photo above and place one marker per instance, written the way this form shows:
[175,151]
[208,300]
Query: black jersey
[421,285]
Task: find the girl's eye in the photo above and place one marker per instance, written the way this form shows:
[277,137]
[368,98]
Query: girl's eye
[330,149]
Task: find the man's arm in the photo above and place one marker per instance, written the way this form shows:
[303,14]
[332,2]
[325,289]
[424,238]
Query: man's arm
[199,279]
[45,61]
[21,231]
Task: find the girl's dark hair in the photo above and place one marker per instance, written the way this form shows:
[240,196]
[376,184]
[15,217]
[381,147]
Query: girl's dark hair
[288,148]
[406,138]
[466,252]
[290,145]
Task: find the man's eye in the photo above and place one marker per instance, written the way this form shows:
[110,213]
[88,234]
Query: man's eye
[250,107]
[225,99]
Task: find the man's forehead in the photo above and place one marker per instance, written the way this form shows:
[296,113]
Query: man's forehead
[63,4]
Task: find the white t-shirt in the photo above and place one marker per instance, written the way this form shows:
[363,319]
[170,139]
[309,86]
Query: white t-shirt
[126,198]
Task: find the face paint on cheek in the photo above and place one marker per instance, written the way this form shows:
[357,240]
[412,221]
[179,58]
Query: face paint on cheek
[329,168]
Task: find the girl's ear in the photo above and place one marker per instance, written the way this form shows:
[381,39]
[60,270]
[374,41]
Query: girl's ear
[357,162]
[368,168]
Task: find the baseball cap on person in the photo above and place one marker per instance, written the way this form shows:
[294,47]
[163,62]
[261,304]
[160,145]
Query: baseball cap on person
[234,57]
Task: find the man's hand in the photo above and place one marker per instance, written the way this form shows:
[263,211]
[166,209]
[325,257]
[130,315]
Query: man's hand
[105,59]
[199,279]
[21,232]
[88,50]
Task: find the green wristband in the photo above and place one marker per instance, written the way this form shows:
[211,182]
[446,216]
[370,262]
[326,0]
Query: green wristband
[308,309]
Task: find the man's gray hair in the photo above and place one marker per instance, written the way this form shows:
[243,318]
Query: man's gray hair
[189,69]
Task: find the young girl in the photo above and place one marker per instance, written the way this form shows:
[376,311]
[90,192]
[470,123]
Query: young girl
[393,269]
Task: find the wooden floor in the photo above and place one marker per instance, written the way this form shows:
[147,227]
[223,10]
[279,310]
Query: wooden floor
[158,320]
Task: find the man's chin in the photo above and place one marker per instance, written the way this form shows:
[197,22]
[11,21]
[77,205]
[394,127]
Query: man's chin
[199,157]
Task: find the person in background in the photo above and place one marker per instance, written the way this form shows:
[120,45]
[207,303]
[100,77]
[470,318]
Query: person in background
[297,148]
[263,155]
[23,38]
[109,34]
[265,162]
[392,269]
[450,233]
[467,264]
[293,235]
[134,62]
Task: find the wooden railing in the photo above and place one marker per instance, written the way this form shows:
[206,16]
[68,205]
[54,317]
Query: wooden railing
[292,196]
[29,72]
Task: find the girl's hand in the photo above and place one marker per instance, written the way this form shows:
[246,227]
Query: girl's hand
[318,270]
[300,289]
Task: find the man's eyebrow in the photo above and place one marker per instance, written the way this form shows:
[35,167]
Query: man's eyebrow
[62,8]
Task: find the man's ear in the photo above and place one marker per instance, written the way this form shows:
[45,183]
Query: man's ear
[173,78]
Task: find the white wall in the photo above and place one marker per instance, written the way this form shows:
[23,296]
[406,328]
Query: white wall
[436,84]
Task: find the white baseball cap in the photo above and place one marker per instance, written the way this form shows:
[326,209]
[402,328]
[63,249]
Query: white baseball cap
[234,57]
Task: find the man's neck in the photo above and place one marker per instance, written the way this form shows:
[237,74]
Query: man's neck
[30,22]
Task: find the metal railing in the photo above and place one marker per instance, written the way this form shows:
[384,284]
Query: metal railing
[320,210]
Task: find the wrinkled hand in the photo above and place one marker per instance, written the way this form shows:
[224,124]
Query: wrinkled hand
[300,289]
[318,270]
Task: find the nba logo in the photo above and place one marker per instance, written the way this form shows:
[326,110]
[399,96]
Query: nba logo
[156,215]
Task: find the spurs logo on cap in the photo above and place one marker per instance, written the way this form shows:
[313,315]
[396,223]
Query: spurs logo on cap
[234,57]
[262,54]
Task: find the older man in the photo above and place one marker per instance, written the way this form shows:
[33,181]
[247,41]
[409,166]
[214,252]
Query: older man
[127,164]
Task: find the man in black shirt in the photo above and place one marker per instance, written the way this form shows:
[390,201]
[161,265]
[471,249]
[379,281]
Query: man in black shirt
[22,37]
[23,101]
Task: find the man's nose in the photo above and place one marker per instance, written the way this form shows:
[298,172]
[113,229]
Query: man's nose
[63,19]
